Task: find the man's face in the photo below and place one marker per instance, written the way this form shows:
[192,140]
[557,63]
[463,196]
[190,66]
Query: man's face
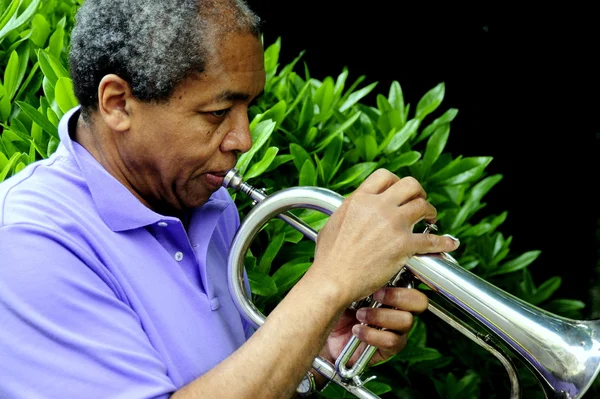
[177,153]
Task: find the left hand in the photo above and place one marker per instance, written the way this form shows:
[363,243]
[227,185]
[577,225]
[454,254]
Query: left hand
[396,319]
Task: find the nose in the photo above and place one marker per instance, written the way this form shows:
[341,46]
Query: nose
[239,138]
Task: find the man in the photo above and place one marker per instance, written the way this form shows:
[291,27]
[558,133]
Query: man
[113,280]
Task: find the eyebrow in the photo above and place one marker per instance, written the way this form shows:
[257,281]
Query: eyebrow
[229,95]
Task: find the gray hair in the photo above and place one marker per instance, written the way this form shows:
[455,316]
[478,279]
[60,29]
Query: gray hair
[153,44]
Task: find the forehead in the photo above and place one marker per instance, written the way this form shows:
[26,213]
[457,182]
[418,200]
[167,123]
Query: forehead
[235,70]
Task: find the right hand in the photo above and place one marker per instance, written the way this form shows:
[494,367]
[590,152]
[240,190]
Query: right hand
[369,238]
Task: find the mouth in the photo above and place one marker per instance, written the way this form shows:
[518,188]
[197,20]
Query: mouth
[215,178]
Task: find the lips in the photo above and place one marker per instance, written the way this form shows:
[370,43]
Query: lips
[214,180]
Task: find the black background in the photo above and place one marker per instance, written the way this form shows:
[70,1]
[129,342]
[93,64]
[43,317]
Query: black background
[525,83]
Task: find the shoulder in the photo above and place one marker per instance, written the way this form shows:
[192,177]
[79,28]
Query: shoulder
[42,191]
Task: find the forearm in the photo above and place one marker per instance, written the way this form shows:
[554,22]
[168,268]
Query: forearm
[276,357]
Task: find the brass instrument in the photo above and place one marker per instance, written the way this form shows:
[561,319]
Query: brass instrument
[563,354]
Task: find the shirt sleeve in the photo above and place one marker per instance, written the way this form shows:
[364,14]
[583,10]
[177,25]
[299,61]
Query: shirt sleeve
[64,331]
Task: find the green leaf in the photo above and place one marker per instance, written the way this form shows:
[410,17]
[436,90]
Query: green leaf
[259,168]
[396,99]
[272,57]
[447,117]
[39,150]
[9,165]
[562,306]
[311,135]
[340,82]
[298,98]
[64,95]
[287,275]
[430,101]
[279,160]
[300,155]
[518,263]
[324,96]
[261,284]
[545,290]
[31,155]
[11,74]
[40,30]
[472,203]
[276,112]
[260,134]
[338,131]
[52,145]
[480,189]
[14,23]
[264,266]
[52,117]
[399,138]
[414,354]
[435,146]
[23,50]
[51,67]
[9,148]
[38,118]
[308,174]
[355,174]
[14,136]
[5,106]
[48,89]
[460,171]
[56,42]
[369,147]
[331,158]
[357,96]
[406,159]
[9,13]
[3,160]
[30,78]
[377,387]
[20,166]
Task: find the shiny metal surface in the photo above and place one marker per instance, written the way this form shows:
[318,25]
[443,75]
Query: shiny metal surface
[564,354]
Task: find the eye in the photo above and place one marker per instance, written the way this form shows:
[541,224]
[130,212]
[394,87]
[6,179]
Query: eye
[220,113]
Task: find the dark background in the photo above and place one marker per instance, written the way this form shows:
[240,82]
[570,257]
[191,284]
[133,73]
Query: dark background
[525,82]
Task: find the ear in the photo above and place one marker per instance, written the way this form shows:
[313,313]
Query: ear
[115,100]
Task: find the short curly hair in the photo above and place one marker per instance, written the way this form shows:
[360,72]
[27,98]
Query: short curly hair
[153,44]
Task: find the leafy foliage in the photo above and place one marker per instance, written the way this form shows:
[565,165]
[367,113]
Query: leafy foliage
[309,132]
[35,89]
[323,133]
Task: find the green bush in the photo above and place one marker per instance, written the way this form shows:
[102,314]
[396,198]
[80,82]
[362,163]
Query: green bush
[310,132]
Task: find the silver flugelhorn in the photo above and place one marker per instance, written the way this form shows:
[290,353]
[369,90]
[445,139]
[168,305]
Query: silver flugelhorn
[563,354]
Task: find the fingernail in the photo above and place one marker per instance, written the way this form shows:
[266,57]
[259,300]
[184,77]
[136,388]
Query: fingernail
[379,295]
[361,314]
[356,329]
[453,238]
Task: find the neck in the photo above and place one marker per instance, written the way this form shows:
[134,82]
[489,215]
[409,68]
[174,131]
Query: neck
[99,143]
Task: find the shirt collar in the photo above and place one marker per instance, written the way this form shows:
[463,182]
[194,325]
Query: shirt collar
[116,205]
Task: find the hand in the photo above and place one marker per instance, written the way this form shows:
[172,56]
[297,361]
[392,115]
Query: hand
[393,324]
[369,238]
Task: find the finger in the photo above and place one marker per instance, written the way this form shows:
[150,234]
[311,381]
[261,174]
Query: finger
[418,209]
[378,182]
[407,299]
[396,320]
[382,339]
[404,190]
[432,243]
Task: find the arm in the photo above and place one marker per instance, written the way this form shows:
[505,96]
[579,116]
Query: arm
[376,220]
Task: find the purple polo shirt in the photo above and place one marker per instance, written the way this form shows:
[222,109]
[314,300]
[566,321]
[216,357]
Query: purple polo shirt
[100,297]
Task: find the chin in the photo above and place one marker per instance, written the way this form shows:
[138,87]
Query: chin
[197,200]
